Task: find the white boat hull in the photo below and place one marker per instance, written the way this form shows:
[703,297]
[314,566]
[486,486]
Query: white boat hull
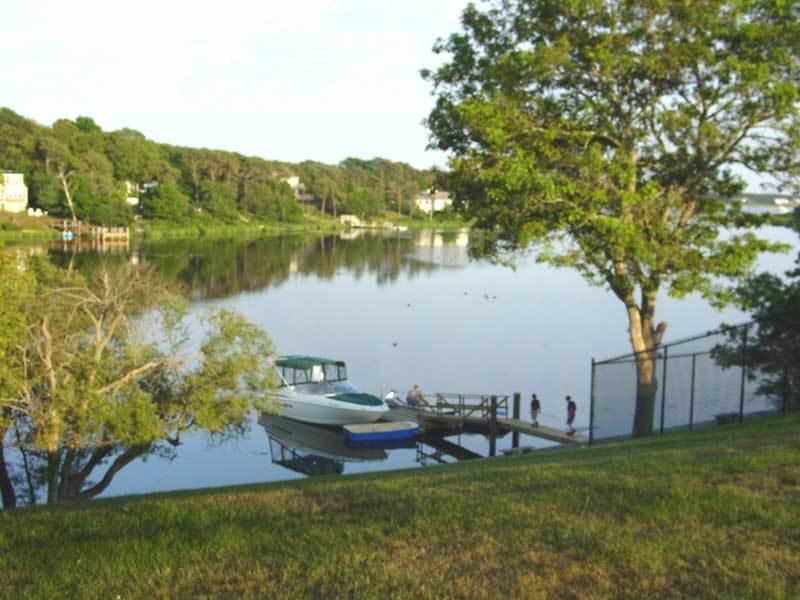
[322,410]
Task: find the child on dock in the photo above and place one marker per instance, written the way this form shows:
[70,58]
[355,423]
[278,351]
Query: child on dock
[535,408]
[571,410]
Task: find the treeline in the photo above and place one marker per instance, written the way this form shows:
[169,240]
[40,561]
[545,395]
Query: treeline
[76,170]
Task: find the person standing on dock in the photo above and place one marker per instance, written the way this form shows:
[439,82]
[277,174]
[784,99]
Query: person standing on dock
[571,410]
[535,408]
[414,397]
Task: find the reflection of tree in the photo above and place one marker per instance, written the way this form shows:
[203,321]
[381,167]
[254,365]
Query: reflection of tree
[221,268]
[70,474]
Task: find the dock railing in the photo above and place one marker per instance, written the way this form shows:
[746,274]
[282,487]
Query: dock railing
[476,406]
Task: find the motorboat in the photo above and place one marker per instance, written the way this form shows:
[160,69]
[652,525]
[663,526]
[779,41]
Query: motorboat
[316,390]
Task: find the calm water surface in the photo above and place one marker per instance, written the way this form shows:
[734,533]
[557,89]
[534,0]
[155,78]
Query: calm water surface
[400,309]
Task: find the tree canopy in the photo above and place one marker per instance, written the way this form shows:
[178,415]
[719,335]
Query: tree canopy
[75,169]
[607,132]
[97,370]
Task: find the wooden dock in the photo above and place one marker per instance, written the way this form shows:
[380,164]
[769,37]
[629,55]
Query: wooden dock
[546,433]
[451,416]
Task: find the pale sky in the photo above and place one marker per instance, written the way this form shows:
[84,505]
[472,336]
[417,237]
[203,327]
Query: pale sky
[296,80]
[283,80]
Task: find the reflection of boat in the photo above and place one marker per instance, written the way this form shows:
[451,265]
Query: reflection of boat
[311,449]
[316,390]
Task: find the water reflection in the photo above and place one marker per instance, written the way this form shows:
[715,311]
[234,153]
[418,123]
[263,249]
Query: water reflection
[312,450]
[212,269]
[315,450]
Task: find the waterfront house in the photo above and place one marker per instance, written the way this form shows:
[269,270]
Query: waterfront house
[430,201]
[13,193]
[131,193]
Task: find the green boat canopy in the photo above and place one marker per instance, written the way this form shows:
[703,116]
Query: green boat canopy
[298,361]
[298,369]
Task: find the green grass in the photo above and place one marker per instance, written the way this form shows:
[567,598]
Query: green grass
[151,230]
[22,227]
[711,514]
[29,234]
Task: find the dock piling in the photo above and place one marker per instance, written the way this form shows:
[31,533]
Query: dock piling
[515,434]
[493,427]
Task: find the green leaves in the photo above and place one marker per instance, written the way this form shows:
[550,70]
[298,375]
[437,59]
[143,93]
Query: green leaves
[615,124]
[100,361]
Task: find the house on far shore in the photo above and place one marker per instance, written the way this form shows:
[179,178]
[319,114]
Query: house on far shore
[430,202]
[293,181]
[13,193]
[131,193]
[298,189]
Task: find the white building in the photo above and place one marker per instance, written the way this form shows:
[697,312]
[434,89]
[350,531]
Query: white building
[431,202]
[130,190]
[294,182]
[13,193]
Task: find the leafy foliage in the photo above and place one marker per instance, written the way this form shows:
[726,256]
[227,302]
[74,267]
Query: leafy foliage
[98,366]
[771,344]
[605,132]
[74,168]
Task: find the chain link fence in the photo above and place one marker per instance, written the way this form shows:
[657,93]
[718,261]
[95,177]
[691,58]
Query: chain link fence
[716,377]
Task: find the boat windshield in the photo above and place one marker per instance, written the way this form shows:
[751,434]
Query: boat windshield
[297,374]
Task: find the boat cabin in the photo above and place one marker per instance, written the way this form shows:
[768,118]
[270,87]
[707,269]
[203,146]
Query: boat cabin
[298,370]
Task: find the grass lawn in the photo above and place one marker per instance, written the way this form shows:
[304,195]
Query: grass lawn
[20,226]
[207,230]
[711,514]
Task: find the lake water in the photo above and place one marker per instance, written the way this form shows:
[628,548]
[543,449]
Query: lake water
[401,309]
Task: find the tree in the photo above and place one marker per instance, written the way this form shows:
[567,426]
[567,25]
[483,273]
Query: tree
[16,290]
[606,131]
[166,202]
[771,344]
[64,164]
[83,386]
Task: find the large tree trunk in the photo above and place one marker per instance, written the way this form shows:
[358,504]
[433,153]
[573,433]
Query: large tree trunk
[6,486]
[645,339]
[646,388]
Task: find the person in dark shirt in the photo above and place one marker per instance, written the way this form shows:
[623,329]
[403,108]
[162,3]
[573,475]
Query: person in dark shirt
[536,407]
[571,410]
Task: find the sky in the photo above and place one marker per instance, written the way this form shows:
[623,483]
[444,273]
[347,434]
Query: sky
[289,81]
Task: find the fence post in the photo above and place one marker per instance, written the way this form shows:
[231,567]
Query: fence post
[591,406]
[664,387]
[691,397]
[493,426]
[515,435]
[744,372]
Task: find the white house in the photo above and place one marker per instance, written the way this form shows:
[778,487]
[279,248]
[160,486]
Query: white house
[131,193]
[431,202]
[294,182]
[13,193]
